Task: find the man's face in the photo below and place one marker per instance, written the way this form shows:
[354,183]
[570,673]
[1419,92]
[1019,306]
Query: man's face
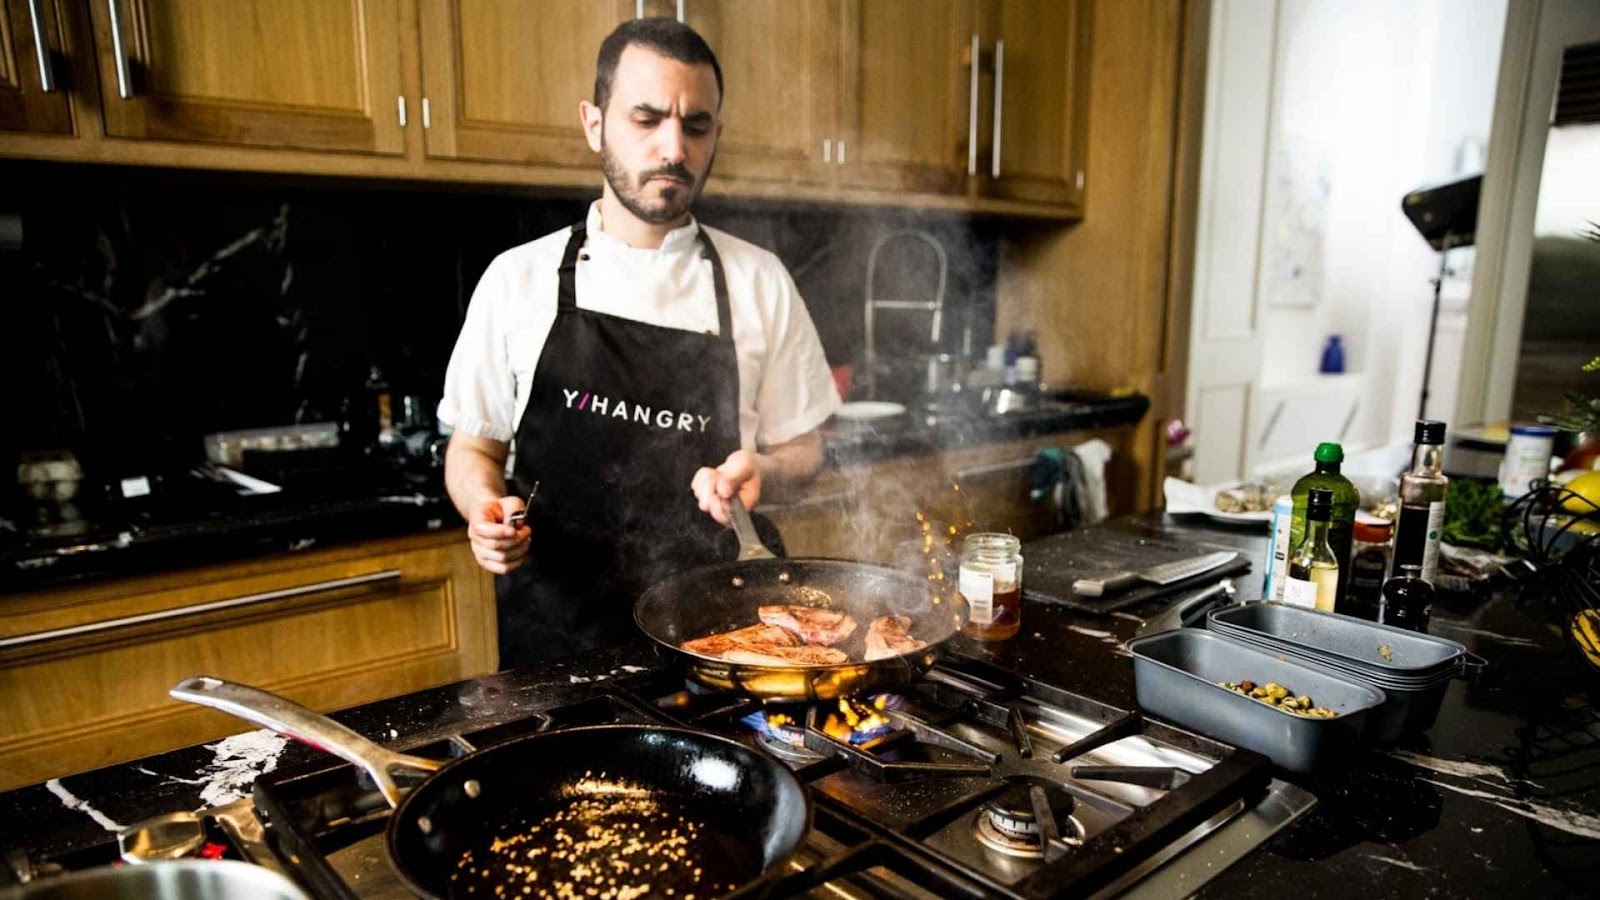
[658,134]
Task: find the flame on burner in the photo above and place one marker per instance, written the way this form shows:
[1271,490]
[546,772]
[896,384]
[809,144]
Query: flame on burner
[858,722]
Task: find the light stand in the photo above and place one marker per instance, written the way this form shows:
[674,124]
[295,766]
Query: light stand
[1447,217]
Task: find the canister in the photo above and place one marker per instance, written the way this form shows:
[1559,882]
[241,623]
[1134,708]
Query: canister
[1527,459]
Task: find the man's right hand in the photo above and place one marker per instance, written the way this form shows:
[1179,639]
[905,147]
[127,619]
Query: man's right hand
[498,546]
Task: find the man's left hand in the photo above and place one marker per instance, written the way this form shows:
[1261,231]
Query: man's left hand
[715,487]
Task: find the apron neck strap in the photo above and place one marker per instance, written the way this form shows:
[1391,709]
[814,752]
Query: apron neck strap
[567,289]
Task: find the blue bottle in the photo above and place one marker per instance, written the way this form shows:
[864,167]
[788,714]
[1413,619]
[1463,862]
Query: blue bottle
[1332,356]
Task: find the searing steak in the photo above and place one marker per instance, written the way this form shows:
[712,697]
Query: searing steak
[787,656]
[761,637]
[810,624]
[891,636]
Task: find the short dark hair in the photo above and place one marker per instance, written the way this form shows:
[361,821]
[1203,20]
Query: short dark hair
[668,37]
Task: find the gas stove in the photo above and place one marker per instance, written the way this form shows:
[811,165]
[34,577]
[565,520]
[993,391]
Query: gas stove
[970,783]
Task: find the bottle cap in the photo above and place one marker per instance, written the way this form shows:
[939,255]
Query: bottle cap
[1411,570]
[1329,452]
[1319,505]
[1430,432]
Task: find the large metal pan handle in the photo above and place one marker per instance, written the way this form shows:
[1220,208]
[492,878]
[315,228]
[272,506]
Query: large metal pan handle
[290,719]
[750,546]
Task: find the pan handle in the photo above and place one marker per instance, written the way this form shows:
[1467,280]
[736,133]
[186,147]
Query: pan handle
[290,719]
[750,546]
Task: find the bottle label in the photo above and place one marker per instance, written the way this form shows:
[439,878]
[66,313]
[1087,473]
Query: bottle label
[1430,546]
[1299,593]
[1278,550]
[978,589]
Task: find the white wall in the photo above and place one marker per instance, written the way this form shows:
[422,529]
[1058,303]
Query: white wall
[1384,96]
[1369,100]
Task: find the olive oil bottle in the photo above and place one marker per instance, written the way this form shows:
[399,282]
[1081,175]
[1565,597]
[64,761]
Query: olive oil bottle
[1342,521]
[1313,568]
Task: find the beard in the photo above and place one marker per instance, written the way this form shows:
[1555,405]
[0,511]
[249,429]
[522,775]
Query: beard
[630,189]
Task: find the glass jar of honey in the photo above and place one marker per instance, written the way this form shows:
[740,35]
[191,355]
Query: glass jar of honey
[991,582]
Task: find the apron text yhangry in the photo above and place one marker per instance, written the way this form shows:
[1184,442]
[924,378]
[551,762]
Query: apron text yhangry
[664,419]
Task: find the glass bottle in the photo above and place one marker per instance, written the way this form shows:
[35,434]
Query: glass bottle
[1407,600]
[1422,501]
[1369,566]
[1341,525]
[1313,569]
[990,581]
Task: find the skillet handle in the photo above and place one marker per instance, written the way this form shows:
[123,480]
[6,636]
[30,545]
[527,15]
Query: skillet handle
[290,719]
[750,546]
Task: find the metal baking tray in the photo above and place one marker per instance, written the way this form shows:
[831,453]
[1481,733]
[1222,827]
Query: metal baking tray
[1343,639]
[1177,673]
[1412,705]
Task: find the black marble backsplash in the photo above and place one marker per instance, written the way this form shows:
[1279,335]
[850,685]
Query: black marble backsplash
[147,308]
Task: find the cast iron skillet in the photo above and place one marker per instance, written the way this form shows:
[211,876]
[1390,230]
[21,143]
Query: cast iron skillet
[742,812]
[722,597]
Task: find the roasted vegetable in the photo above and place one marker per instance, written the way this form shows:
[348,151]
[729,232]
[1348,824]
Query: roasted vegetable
[1276,695]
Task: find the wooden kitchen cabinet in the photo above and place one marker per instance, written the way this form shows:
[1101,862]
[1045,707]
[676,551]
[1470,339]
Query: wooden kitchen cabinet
[780,63]
[33,90]
[503,78]
[870,512]
[84,671]
[305,74]
[906,112]
[1038,103]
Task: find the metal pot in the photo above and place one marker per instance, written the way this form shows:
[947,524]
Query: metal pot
[184,879]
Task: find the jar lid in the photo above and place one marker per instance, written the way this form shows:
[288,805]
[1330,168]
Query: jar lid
[1373,532]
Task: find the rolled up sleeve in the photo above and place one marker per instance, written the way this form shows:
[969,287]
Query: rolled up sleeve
[479,384]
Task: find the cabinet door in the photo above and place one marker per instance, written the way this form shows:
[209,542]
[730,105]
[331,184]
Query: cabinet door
[1039,100]
[32,98]
[309,74]
[780,66]
[504,78]
[907,109]
[84,671]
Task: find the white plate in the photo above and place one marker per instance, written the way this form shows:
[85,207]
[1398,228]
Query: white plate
[867,410]
[1183,497]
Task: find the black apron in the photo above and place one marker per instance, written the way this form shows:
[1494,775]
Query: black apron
[620,415]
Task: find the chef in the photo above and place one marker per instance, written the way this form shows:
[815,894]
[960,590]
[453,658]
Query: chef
[639,367]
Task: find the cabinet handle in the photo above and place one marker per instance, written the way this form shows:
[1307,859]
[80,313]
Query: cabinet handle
[841,151]
[427,114]
[999,98]
[400,109]
[39,637]
[972,111]
[120,53]
[638,9]
[827,150]
[47,78]
[680,9]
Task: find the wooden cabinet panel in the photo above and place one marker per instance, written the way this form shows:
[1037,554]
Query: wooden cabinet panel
[84,673]
[504,78]
[780,65]
[312,74]
[1042,97]
[906,110]
[26,26]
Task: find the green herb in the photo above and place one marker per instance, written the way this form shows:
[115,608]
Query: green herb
[1472,517]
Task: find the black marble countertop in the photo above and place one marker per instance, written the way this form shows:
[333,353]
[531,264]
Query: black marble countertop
[190,520]
[1501,796]
[922,432]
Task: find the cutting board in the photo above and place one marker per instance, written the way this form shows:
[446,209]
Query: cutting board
[1051,564]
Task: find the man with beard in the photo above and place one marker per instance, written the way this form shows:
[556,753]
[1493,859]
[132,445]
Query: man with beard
[639,368]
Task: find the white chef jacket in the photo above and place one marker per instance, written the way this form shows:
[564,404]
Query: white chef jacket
[785,388]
